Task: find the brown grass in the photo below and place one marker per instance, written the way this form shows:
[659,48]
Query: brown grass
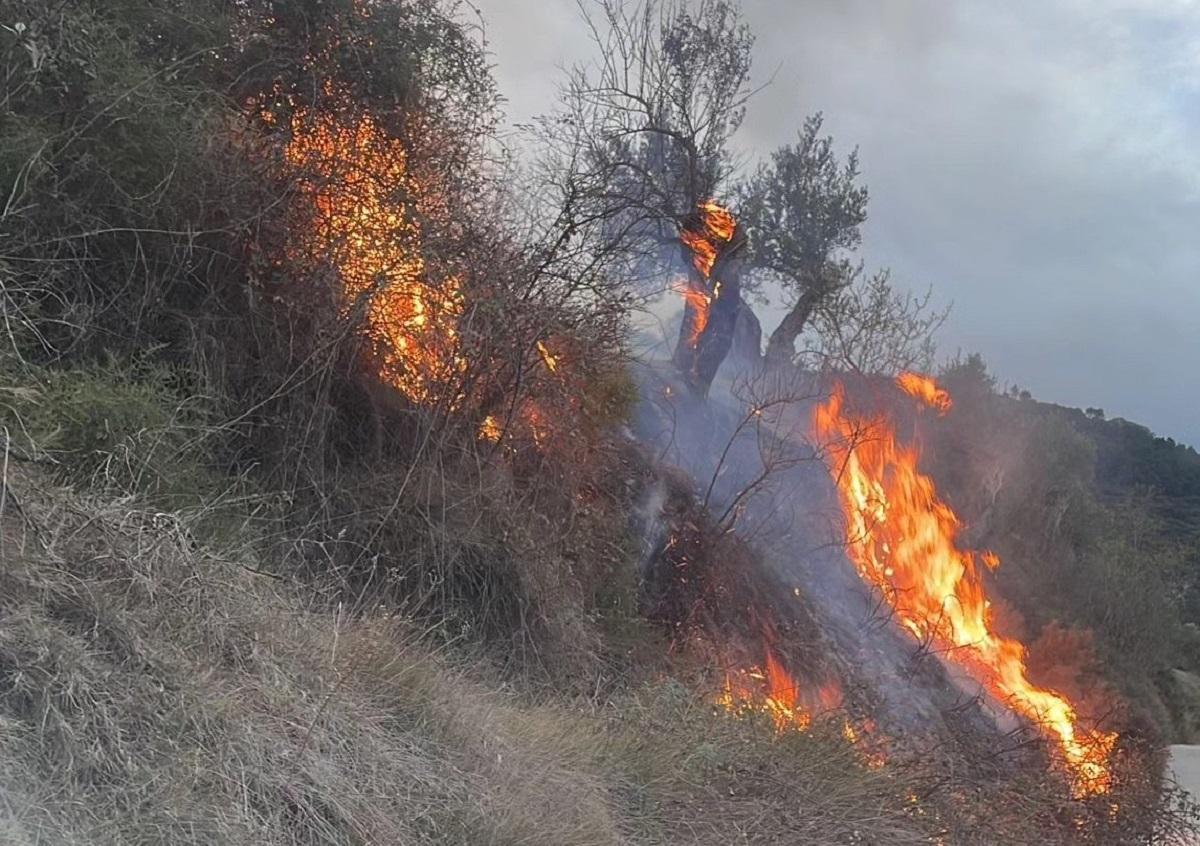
[153,692]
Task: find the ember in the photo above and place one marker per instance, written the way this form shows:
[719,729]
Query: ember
[548,358]
[490,429]
[903,540]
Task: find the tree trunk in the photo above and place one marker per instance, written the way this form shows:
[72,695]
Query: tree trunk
[747,337]
[699,357]
[685,349]
[781,348]
[717,338]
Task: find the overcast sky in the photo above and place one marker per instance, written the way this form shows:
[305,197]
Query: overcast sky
[1036,161]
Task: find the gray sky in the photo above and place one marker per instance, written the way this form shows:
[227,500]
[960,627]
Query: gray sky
[1036,161]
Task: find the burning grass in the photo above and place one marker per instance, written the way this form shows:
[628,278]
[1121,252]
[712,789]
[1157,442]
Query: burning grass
[904,541]
[154,693]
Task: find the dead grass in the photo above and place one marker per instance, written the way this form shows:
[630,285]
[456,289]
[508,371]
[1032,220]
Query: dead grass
[153,693]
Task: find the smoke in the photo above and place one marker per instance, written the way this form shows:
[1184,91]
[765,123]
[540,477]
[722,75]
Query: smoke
[650,526]
[747,449]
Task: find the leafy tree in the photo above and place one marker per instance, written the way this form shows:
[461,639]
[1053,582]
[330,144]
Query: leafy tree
[969,373]
[806,209]
[647,128]
[869,327]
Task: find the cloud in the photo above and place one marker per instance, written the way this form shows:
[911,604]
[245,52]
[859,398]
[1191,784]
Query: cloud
[1035,161]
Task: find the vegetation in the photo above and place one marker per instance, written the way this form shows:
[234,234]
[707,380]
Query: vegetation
[153,693]
[319,519]
[1084,543]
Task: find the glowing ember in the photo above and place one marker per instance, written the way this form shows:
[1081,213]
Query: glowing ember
[356,213]
[717,227]
[490,430]
[926,390]
[903,540]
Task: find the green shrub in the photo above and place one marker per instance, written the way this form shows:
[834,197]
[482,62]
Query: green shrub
[118,429]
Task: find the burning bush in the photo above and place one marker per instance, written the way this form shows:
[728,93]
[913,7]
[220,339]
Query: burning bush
[300,225]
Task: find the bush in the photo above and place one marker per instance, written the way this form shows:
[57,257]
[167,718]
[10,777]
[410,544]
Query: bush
[118,430]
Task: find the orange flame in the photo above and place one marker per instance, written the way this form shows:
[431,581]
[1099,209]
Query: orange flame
[356,213]
[717,227]
[700,302]
[490,429]
[772,692]
[548,358]
[776,694]
[903,540]
[926,390]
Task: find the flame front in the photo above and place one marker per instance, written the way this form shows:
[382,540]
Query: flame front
[717,228]
[903,540]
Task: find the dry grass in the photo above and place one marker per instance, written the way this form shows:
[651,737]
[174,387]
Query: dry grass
[151,692]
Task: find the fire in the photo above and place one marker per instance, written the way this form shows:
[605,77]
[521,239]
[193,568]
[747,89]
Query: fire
[926,390]
[717,228]
[903,540]
[357,213]
[775,693]
[490,429]
[700,301]
[772,691]
[548,358]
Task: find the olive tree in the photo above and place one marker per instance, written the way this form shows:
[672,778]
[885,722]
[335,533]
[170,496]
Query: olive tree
[806,209]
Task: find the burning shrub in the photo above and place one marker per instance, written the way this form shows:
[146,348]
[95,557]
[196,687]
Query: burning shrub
[290,205]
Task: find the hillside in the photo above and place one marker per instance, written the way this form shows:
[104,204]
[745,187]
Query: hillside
[1130,457]
[337,509]
[155,692]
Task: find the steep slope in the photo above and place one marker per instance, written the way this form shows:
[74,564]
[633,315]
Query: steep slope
[153,692]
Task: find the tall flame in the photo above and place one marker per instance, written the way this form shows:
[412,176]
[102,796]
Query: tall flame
[903,540]
[717,227]
[701,302]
